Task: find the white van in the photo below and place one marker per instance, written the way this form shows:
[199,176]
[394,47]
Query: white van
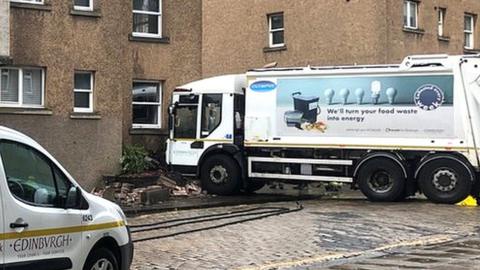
[48,222]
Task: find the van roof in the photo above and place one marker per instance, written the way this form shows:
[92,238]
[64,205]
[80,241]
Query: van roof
[10,134]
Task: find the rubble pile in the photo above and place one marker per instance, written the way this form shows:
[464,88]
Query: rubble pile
[147,189]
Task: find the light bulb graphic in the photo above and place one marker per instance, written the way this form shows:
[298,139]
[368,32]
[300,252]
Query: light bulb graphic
[329,93]
[344,93]
[376,87]
[391,94]
[359,92]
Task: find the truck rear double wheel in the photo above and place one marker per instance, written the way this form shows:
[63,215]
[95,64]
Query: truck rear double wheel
[220,175]
[445,180]
[381,180]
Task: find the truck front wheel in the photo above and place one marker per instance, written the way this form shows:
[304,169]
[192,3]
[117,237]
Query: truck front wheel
[381,179]
[445,181]
[220,175]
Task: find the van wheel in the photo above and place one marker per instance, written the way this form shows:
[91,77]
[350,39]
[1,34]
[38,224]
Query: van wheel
[445,181]
[101,259]
[220,175]
[381,180]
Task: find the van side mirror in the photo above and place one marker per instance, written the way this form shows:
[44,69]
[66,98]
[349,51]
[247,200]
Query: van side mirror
[74,195]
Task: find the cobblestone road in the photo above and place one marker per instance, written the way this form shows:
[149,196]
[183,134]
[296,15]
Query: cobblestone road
[335,234]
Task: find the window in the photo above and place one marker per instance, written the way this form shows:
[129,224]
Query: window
[40,2]
[410,14]
[185,125]
[32,177]
[211,113]
[147,104]
[83,92]
[21,87]
[147,18]
[441,21]
[468,30]
[86,5]
[276,30]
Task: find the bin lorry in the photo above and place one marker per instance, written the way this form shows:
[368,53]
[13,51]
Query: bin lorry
[389,130]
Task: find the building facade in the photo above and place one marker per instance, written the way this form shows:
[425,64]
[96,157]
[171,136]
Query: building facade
[85,77]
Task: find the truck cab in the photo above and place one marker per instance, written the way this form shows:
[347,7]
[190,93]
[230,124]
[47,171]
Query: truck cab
[47,221]
[206,118]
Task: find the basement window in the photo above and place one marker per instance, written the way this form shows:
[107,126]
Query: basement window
[85,5]
[147,18]
[22,87]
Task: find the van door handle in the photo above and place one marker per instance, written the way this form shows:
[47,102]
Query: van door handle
[197,145]
[18,225]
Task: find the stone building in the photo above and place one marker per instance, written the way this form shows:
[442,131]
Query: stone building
[84,77]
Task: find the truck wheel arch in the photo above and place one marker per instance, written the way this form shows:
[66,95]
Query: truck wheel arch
[225,149]
[453,157]
[392,156]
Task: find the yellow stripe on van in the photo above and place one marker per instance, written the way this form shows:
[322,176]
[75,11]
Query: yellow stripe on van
[64,230]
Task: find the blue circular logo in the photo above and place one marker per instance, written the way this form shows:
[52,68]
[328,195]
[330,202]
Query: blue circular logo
[263,86]
[429,97]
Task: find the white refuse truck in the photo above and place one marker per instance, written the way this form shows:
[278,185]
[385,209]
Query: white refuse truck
[389,130]
[47,221]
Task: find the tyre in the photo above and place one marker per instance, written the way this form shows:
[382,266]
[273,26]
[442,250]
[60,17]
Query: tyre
[254,185]
[220,175]
[101,258]
[445,181]
[381,180]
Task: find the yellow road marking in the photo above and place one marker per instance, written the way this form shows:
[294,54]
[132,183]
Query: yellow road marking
[63,230]
[426,240]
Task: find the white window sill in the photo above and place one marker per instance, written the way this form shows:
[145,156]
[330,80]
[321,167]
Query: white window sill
[25,111]
[85,116]
[151,39]
[31,5]
[148,131]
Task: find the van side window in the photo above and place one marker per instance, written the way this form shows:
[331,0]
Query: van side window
[32,177]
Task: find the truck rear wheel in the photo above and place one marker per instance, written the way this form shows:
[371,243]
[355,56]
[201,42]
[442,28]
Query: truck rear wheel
[445,181]
[381,180]
[220,175]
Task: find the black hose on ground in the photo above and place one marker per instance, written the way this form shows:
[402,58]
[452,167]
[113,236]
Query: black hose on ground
[206,216]
[271,214]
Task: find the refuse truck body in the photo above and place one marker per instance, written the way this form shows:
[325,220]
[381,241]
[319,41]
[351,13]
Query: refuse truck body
[389,130]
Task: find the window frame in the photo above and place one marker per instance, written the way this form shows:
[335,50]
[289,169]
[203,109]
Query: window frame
[202,120]
[90,91]
[470,32]
[441,12]
[82,8]
[52,166]
[159,104]
[159,15]
[42,2]
[271,31]
[409,14]
[20,103]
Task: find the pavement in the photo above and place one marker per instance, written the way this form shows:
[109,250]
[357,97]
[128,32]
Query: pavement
[345,233]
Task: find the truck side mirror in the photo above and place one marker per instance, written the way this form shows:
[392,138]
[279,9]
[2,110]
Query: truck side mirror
[73,198]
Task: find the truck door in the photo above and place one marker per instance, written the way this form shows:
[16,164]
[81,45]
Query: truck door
[184,144]
[39,231]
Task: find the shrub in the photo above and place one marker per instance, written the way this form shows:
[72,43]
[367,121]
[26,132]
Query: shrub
[134,159]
